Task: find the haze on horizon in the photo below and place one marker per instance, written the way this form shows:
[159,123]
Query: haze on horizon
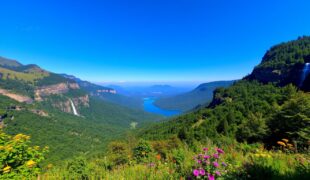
[148,41]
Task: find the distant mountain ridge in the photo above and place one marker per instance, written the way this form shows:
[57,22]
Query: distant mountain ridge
[200,96]
[107,93]
[157,90]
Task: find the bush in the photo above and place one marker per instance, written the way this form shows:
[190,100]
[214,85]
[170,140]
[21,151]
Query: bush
[18,159]
[77,168]
[118,153]
[142,151]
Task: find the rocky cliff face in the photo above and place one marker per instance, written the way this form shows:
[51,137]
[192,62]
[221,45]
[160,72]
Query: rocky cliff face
[39,112]
[73,86]
[284,64]
[291,74]
[60,88]
[81,101]
[16,97]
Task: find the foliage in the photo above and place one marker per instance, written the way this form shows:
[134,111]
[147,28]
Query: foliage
[244,161]
[72,134]
[53,79]
[17,86]
[116,115]
[293,120]
[17,158]
[23,76]
[287,54]
[142,151]
[118,153]
[78,169]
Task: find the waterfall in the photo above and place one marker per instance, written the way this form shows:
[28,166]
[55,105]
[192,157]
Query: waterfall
[73,108]
[305,72]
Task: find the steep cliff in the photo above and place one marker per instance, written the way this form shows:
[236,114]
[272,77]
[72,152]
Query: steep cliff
[284,64]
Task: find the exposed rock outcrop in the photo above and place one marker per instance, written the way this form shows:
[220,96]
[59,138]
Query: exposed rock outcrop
[282,77]
[81,101]
[16,97]
[39,112]
[60,88]
[73,86]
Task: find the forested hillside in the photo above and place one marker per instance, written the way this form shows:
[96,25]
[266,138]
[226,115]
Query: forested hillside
[284,63]
[56,112]
[253,109]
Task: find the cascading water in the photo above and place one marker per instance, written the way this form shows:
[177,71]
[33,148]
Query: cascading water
[305,73]
[73,108]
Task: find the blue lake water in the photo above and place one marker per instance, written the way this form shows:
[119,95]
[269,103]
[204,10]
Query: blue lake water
[150,107]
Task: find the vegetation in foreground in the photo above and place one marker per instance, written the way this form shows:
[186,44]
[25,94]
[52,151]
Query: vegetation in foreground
[165,159]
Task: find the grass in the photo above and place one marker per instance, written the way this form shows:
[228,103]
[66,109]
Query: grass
[30,76]
[253,163]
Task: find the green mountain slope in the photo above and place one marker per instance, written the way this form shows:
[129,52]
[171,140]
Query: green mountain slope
[24,79]
[65,134]
[200,96]
[61,115]
[284,63]
[249,110]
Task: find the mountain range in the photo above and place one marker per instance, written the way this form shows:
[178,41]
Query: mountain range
[198,97]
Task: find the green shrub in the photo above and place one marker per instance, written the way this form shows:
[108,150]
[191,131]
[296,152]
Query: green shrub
[118,153]
[142,151]
[18,159]
[77,168]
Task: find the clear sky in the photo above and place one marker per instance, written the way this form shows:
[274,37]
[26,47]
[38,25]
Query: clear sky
[148,40]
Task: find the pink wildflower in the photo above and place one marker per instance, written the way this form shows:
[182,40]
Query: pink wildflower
[206,157]
[216,156]
[202,172]
[220,151]
[210,177]
[196,172]
[215,164]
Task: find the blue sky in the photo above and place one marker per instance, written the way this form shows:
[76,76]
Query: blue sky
[149,40]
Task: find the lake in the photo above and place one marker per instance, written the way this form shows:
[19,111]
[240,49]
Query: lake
[150,107]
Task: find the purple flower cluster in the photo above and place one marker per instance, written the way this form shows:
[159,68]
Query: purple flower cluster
[208,164]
